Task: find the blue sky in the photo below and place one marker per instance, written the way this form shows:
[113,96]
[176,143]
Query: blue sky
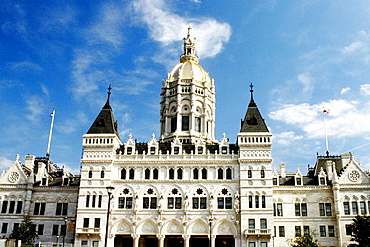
[300,55]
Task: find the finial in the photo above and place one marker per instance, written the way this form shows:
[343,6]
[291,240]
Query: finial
[252,100]
[251,86]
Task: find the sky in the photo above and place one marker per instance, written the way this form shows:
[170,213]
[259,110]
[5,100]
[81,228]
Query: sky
[302,57]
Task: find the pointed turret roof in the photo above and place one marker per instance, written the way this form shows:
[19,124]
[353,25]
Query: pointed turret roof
[105,123]
[253,121]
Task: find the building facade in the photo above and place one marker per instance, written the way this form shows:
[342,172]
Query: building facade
[188,189]
[184,187]
[43,192]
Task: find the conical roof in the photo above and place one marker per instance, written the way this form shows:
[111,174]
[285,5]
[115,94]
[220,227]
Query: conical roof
[104,122]
[253,121]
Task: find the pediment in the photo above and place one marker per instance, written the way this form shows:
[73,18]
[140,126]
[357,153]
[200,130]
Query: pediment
[353,174]
[14,175]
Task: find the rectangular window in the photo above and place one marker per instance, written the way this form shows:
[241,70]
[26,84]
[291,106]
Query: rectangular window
[220,202]
[274,208]
[281,231]
[306,230]
[146,202]
[252,224]
[170,204]
[40,229]
[297,209]
[36,209]
[299,181]
[4,207]
[274,181]
[197,124]
[58,210]
[55,231]
[19,207]
[15,227]
[11,207]
[86,223]
[195,203]
[322,209]
[121,202]
[63,230]
[263,223]
[4,228]
[100,200]
[97,223]
[263,244]
[173,124]
[263,201]
[363,207]
[322,181]
[328,209]
[178,202]
[129,202]
[95,244]
[331,231]
[229,203]
[354,208]
[203,203]
[322,231]
[348,230]
[153,203]
[304,209]
[87,201]
[65,209]
[250,199]
[279,209]
[185,123]
[93,201]
[346,208]
[257,199]
[298,231]
[83,243]
[252,244]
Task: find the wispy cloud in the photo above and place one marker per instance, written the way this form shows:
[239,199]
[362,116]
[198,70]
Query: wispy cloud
[35,107]
[5,163]
[27,66]
[345,90]
[365,89]
[286,138]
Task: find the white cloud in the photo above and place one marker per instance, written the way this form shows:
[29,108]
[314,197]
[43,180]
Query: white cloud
[306,80]
[346,118]
[167,28]
[35,107]
[345,90]
[353,48]
[5,163]
[26,66]
[286,138]
[365,89]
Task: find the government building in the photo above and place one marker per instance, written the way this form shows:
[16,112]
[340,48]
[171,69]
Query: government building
[185,188]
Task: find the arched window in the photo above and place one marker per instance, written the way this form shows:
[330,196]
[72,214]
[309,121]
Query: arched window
[125,199]
[174,199]
[179,173]
[228,173]
[204,173]
[199,199]
[155,173]
[262,173]
[224,199]
[171,173]
[150,199]
[195,173]
[90,174]
[131,173]
[249,174]
[123,173]
[102,174]
[220,173]
[147,173]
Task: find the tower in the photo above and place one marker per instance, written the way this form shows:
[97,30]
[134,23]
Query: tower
[188,100]
[254,141]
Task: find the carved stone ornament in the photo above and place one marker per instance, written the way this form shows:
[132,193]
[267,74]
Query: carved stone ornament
[13,177]
[354,175]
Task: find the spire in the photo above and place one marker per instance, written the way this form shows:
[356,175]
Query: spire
[253,121]
[189,48]
[105,123]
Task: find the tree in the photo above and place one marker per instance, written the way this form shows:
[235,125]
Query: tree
[26,232]
[361,230]
[306,240]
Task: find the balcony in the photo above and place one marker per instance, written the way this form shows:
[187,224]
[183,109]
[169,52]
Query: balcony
[88,231]
[257,232]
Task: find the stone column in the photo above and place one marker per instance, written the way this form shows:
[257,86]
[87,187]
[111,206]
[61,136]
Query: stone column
[160,240]
[186,240]
[213,240]
[136,238]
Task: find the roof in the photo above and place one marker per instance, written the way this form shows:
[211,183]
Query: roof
[104,122]
[253,121]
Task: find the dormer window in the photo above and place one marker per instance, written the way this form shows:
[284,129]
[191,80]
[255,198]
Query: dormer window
[65,181]
[152,150]
[200,150]
[322,181]
[129,150]
[176,150]
[274,181]
[299,181]
[43,181]
[224,150]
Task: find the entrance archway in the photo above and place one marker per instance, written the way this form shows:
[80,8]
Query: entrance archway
[123,241]
[148,241]
[199,241]
[174,240]
[225,241]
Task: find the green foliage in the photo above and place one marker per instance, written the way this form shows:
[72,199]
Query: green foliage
[361,230]
[306,240]
[26,232]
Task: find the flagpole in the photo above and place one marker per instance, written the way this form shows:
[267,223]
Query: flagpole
[326,133]
[50,133]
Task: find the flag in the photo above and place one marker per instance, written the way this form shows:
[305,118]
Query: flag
[325,111]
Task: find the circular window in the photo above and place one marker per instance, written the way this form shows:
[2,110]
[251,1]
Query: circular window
[14,176]
[354,176]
